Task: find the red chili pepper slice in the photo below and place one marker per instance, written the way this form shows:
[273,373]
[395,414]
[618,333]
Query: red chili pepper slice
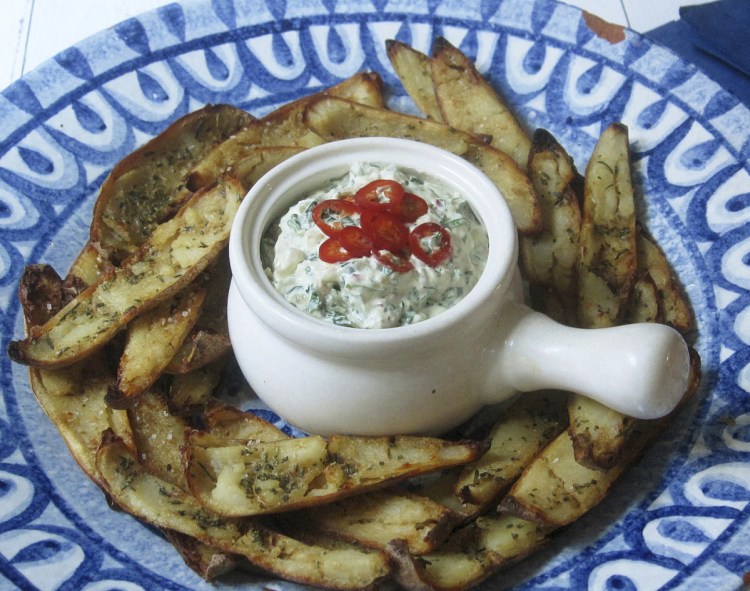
[355,241]
[384,230]
[396,262]
[331,215]
[380,195]
[411,208]
[331,251]
[430,243]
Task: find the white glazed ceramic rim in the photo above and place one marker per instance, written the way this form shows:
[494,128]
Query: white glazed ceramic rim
[296,177]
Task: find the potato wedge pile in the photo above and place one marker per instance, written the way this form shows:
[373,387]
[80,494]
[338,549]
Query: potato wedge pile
[128,352]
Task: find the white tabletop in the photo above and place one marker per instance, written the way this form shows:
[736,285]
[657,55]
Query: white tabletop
[32,31]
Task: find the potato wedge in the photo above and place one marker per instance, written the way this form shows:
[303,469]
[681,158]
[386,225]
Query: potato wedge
[269,477]
[234,425]
[607,272]
[513,183]
[206,561]
[675,307]
[191,392]
[201,348]
[282,128]
[143,189]
[644,302]
[468,102]
[549,258]
[72,397]
[339,119]
[79,417]
[608,232]
[89,267]
[556,489]
[516,438]
[414,70]
[176,253]
[42,294]
[599,433]
[152,340]
[471,555]
[158,437]
[163,505]
[335,118]
[377,518]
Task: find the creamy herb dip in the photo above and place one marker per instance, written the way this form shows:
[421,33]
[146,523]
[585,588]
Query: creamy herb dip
[361,292]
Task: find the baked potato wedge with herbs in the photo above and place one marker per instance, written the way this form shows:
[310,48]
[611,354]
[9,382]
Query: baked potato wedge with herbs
[549,258]
[277,135]
[373,518]
[158,435]
[472,554]
[556,488]
[644,302]
[72,397]
[147,187]
[175,254]
[273,476]
[414,70]
[608,232]
[336,119]
[607,273]
[515,439]
[152,340]
[674,307]
[80,415]
[468,102]
[161,504]
[377,518]
[568,489]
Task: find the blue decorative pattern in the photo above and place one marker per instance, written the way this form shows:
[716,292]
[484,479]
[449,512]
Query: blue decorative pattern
[677,520]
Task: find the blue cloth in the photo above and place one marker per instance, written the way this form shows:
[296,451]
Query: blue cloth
[714,37]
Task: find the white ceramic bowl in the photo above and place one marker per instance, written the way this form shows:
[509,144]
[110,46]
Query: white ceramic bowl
[429,376]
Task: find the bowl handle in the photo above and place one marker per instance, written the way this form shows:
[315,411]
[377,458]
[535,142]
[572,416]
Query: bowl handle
[640,370]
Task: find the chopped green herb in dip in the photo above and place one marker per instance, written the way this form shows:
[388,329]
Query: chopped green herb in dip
[361,292]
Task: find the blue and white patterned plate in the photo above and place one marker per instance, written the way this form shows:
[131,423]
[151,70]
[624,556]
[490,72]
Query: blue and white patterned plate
[678,520]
